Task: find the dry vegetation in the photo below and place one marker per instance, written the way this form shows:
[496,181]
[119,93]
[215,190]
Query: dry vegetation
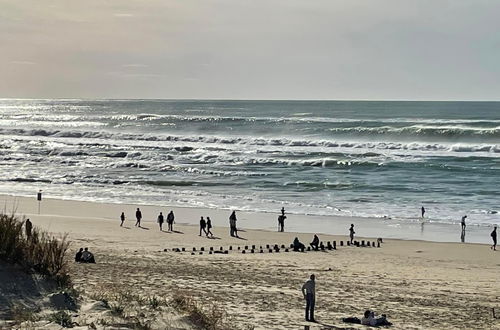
[39,252]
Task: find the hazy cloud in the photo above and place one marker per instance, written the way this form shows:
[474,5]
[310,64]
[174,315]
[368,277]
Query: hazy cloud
[262,49]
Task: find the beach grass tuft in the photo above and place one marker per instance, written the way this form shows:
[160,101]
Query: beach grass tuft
[38,252]
[62,318]
[212,317]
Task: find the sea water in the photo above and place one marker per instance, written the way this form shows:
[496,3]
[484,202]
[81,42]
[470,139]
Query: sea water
[346,158]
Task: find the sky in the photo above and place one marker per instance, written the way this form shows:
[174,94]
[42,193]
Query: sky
[252,49]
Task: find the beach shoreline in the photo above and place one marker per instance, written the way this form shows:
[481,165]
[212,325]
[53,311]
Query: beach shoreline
[299,223]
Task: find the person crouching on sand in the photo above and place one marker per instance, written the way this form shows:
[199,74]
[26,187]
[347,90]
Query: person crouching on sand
[315,243]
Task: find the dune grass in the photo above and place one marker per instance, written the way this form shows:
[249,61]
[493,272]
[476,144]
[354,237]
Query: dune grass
[40,252]
[210,317]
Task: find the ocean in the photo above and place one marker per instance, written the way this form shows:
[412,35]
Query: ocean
[346,158]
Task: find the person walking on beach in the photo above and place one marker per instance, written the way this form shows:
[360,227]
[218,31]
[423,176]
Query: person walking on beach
[494,238]
[423,211]
[161,219]
[170,221]
[309,292]
[122,218]
[138,216]
[203,225]
[283,211]
[28,226]
[351,232]
[463,223]
[232,225]
[209,227]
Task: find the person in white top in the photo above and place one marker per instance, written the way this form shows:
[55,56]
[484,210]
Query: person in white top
[309,292]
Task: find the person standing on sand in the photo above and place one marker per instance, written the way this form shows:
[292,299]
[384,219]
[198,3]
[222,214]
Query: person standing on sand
[423,211]
[138,216]
[494,238]
[170,220]
[122,218]
[351,232]
[281,223]
[232,225]
[161,219]
[209,227]
[309,292]
[28,226]
[203,225]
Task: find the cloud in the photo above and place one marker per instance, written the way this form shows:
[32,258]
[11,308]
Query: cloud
[135,65]
[22,62]
[123,15]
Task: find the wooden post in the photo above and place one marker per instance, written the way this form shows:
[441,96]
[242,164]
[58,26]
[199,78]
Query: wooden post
[335,244]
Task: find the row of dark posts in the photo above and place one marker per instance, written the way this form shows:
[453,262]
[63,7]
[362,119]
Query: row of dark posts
[276,248]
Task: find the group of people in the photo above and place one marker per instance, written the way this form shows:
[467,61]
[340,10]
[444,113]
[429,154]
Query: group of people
[84,256]
[206,227]
[161,219]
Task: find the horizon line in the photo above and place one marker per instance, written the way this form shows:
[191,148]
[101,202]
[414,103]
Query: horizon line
[230,99]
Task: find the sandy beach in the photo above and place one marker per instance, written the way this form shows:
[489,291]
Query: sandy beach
[419,285]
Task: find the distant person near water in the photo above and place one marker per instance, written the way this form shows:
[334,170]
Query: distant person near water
[283,210]
[494,238]
[462,235]
[28,226]
[122,219]
[170,220]
[351,232]
[161,219]
[309,292]
[203,226]
[233,230]
[281,223]
[138,216]
[423,211]
[315,243]
[463,222]
[209,227]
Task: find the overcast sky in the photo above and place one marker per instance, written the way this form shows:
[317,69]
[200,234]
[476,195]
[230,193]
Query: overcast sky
[252,49]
